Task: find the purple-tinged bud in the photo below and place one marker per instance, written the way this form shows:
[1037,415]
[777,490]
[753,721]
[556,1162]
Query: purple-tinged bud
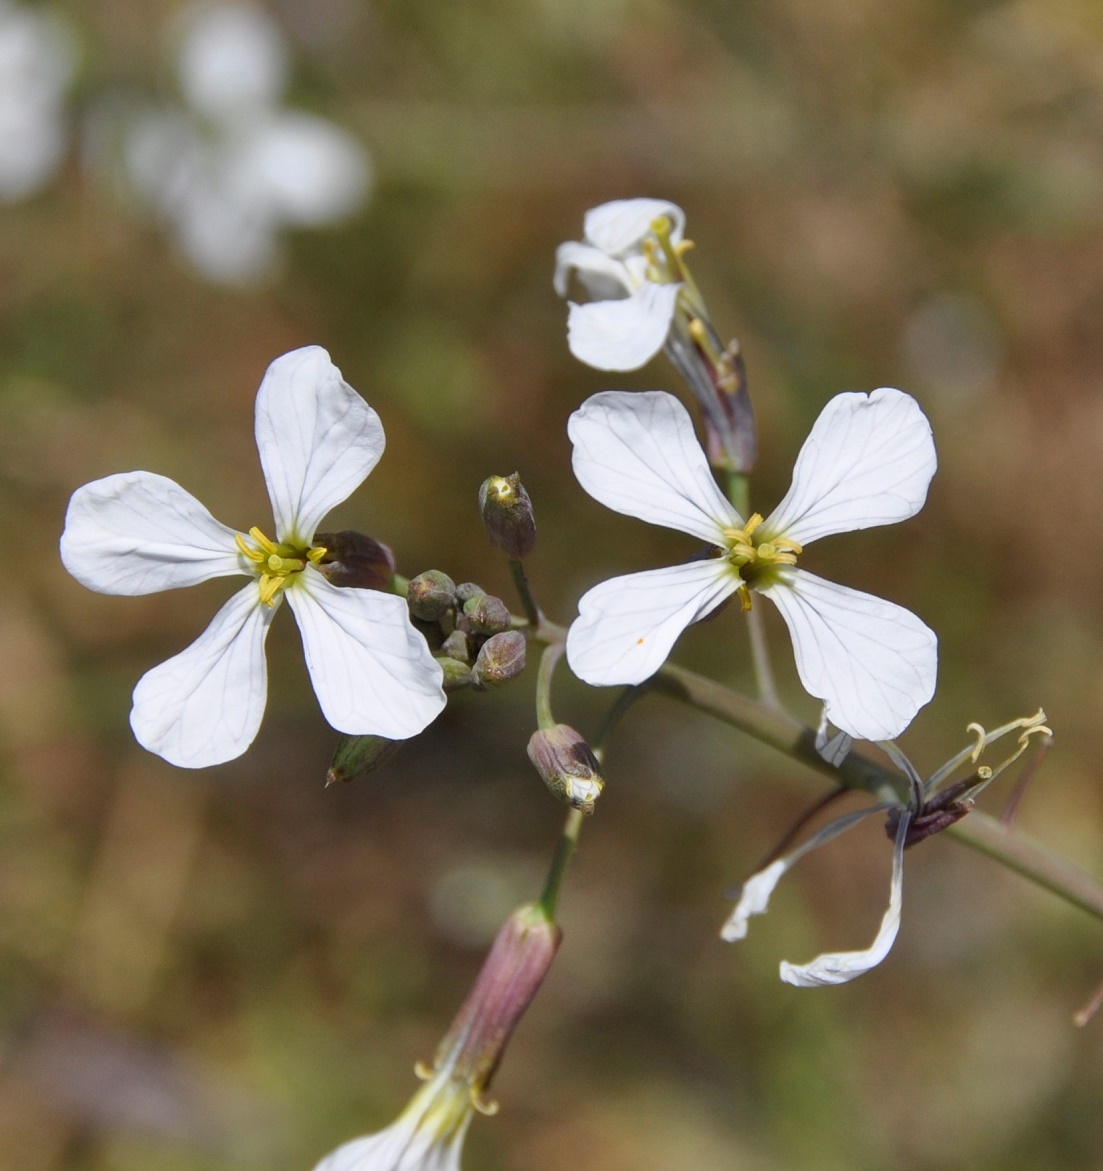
[567,765]
[467,590]
[457,675]
[357,755]
[500,659]
[487,614]
[457,646]
[353,559]
[507,514]
[431,595]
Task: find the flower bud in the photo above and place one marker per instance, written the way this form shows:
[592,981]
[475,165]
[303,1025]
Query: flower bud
[430,595]
[467,590]
[568,767]
[507,514]
[457,646]
[487,614]
[457,675]
[357,755]
[500,659]
[353,559]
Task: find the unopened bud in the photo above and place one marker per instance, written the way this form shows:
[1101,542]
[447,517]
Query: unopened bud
[487,614]
[357,755]
[507,514]
[457,675]
[457,646]
[353,559]
[467,590]
[567,765]
[500,659]
[430,595]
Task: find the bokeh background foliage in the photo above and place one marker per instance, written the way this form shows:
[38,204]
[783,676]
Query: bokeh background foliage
[238,968]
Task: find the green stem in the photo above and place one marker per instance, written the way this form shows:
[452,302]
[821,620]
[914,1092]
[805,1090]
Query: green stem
[524,592]
[568,843]
[553,652]
[400,585]
[760,658]
[1000,842]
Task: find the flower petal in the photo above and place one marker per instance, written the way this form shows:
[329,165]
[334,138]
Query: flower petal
[372,671]
[622,334]
[621,225]
[605,279]
[843,966]
[138,533]
[627,625]
[204,705]
[317,438]
[867,461]
[754,898]
[873,663]
[636,453]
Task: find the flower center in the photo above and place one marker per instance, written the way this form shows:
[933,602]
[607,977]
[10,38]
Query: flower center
[275,563]
[754,558]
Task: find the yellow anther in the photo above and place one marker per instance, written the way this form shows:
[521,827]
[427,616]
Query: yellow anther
[787,545]
[269,588]
[267,545]
[316,554]
[684,246]
[698,332]
[753,523]
[486,1106]
[744,598]
[422,1071]
[744,549]
[247,550]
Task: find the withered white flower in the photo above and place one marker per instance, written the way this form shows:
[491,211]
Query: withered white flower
[868,461]
[932,807]
[139,533]
[624,266]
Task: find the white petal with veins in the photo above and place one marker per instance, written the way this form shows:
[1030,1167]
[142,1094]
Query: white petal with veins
[620,226]
[867,461]
[605,279]
[139,533]
[626,626]
[844,966]
[204,705]
[624,334]
[318,439]
[873,663]
[636,453]
[372,671]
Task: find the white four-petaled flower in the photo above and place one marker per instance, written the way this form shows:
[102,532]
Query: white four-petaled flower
[624,267]
[868,461]
[139,533]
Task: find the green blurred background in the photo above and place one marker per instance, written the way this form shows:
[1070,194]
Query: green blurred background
[237,968]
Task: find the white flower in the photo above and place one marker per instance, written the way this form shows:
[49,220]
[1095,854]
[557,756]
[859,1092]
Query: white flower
[138,533]
[37,62]
[623,265]
[427,1136]
[868,461]
[232,167]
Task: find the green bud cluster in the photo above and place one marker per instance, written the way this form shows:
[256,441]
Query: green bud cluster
[470,631]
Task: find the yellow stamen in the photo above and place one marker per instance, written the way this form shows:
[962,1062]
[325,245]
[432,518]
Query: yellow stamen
[246,550]
[753,523]
[744,598]
[264,542]
[270,587]
[316,554]
[682,247]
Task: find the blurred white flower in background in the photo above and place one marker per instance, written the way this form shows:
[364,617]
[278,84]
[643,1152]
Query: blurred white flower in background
[37,62]
[231,167]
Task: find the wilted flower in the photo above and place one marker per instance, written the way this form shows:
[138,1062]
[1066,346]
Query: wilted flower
[232,167]
[928,810]
[139,533]
[37,62]
[867,461]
